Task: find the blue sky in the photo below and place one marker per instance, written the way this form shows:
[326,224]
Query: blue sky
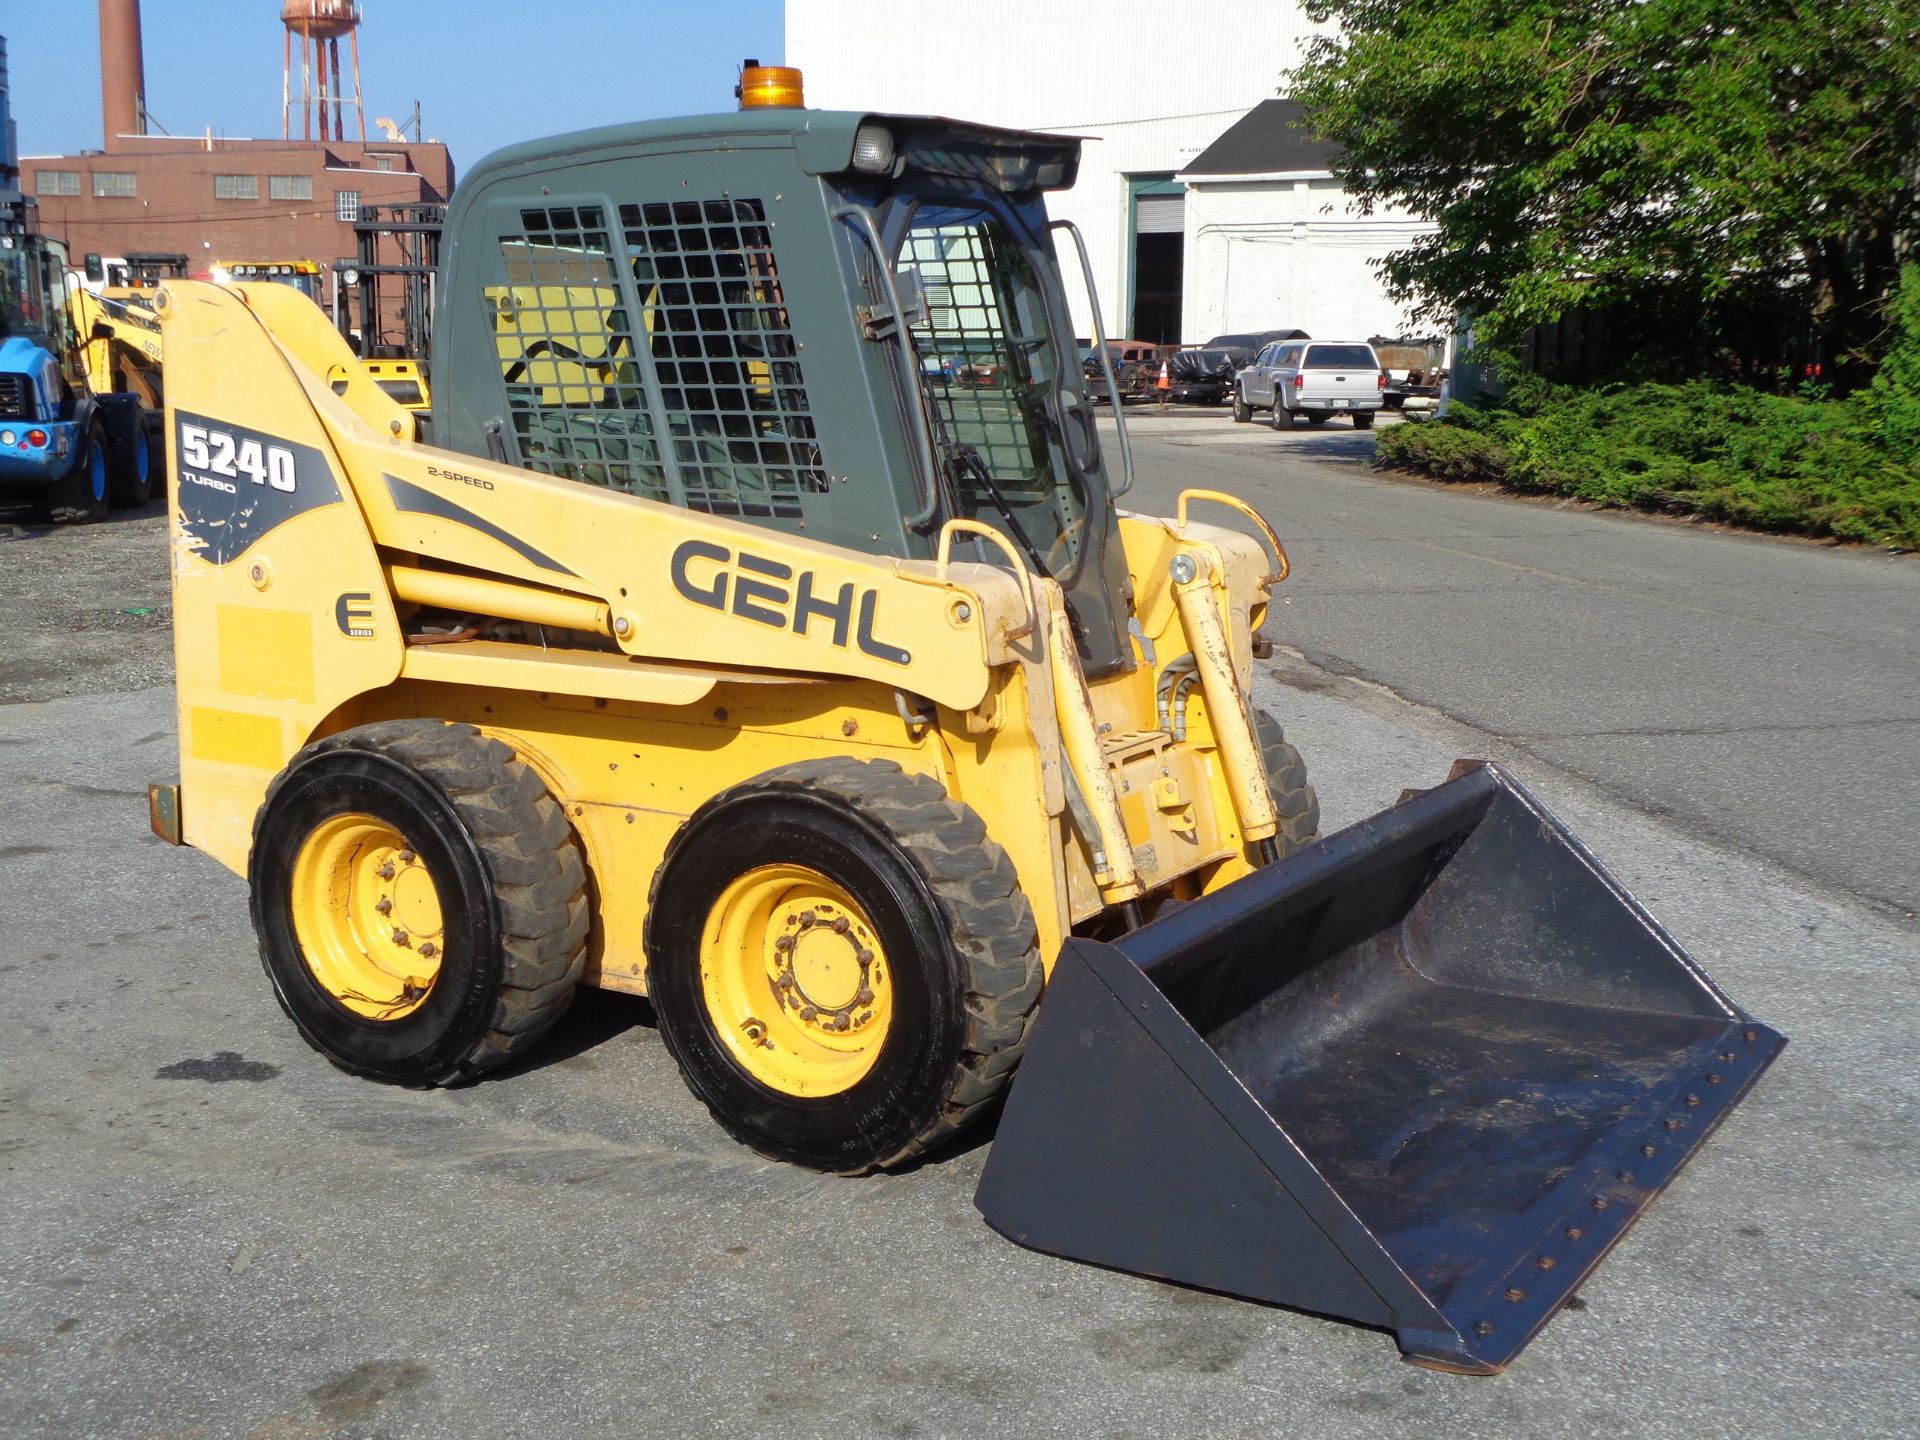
[487,73]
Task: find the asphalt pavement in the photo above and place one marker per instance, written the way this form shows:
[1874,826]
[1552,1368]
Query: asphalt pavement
[1761,692]
[209,1232]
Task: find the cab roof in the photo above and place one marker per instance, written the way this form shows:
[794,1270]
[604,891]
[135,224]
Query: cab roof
[822,141]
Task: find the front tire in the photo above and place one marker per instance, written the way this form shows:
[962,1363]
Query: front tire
[420,901]
[841,962]
[80,496]
[1242,412]
[1293,798]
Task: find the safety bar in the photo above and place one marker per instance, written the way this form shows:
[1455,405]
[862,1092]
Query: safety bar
[1106,357]
[987,532]
[1282,567]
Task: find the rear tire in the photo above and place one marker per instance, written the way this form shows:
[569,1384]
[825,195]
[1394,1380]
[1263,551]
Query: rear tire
[80,496]
[1293,798]
[130,468]
[1242,412]
[474,853]
[1363,419]
[900,894]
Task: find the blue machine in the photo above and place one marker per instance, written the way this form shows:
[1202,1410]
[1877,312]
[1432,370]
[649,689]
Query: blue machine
[68,453]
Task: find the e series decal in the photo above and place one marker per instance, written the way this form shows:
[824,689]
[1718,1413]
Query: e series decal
[353,614]
[766,603]
[236,484]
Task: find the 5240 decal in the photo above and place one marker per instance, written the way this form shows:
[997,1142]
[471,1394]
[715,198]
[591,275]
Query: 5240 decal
[220,452]
[234,484]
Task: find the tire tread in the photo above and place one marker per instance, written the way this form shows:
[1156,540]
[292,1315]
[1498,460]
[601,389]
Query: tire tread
[529,854]
[990,924]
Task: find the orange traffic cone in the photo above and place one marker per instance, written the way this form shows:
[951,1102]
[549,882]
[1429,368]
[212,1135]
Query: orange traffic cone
[1164,383]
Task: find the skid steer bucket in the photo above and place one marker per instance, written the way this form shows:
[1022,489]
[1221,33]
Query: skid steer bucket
[1422,1075]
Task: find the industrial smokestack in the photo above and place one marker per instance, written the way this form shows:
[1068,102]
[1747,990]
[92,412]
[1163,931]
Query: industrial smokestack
[123,74]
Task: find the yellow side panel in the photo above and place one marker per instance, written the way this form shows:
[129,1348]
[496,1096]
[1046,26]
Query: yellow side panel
[281,609]
[268,653]
[233,737]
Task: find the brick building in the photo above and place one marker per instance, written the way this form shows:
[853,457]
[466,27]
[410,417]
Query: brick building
[228,200]
[217,201]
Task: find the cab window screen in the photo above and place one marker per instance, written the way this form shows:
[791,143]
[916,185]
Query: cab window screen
[724,354]
[1340,357]
[566,355]
[986,366]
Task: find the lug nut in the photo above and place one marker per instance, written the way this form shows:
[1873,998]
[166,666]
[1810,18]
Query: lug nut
[399,936]
[1514,1292]
[840,925]
[1693,1099]
[1545,1262]
[383,906]
[407,857]
[385,872]
[808,920]
[1599,1202]
[429,950]
[1574,1232]
[784,943]
[1649,1149]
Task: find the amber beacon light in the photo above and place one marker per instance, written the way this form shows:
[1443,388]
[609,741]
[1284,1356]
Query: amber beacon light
[769,87]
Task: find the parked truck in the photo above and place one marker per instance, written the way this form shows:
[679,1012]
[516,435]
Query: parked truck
[1315,378]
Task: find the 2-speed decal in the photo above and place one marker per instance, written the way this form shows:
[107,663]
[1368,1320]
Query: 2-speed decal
[420,501]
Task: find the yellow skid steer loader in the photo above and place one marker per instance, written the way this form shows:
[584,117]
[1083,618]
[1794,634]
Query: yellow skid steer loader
[756,630]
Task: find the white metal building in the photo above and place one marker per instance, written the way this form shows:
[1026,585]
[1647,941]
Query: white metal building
[1272,240]
[1151,85]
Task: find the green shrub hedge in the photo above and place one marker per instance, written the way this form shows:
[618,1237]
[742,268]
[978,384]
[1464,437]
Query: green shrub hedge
[1846,468]
[1774,462]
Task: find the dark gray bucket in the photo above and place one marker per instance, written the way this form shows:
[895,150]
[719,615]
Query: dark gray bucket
[1422,1075]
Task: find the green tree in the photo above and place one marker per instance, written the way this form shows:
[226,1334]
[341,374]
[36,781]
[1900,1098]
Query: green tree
[1687,153]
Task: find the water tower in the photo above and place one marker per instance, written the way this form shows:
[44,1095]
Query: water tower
[322,95]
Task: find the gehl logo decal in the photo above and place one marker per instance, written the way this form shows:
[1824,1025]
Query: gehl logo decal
[744,585]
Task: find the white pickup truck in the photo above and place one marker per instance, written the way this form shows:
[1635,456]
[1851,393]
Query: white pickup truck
[1315,378]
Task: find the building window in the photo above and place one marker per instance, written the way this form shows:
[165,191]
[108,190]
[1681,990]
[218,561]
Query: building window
[58,182]
[346,205]
[236,187]
[380,162]
[289,187]
[117,183]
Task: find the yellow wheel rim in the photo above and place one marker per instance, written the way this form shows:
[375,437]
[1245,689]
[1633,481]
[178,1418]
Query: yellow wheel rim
[796,981]
[367,915]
